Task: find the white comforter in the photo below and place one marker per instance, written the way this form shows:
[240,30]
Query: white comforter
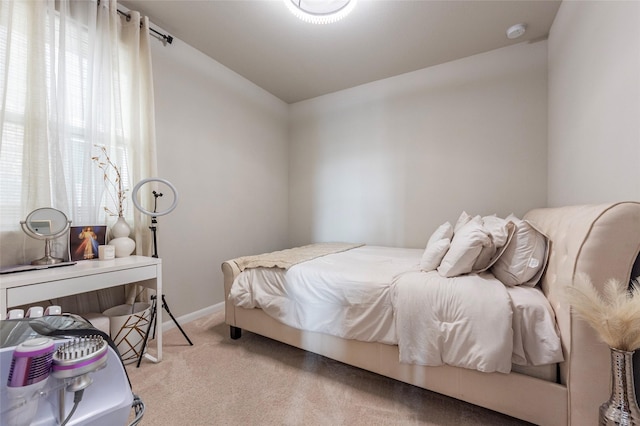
[367,294]
[345,294]
[463,321]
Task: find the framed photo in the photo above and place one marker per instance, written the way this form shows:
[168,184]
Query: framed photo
[84,241]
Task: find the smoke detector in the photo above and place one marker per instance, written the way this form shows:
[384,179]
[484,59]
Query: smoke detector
[516,31]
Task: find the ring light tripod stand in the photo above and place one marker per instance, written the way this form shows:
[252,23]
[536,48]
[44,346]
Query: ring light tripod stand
[154,221]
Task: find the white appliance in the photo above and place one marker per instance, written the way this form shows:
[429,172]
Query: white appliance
[106,395]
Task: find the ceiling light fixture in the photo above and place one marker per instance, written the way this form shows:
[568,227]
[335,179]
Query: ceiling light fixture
[516,31]
[320,11]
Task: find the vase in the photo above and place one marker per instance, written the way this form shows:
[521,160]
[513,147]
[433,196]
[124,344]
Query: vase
[622,406]
[121,228]
[120,231]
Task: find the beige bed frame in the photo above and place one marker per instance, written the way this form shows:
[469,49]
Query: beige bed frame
[600,240]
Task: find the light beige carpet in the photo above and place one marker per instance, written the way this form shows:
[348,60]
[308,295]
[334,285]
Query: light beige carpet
[257,381]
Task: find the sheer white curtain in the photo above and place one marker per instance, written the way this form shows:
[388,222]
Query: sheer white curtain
[73,74]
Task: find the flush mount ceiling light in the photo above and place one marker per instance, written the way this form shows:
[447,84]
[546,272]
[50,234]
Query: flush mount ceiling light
[516,31]
[320,11]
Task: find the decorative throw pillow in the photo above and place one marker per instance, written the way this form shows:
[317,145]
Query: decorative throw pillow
[444,231]
[465,248]
[497,228]
[433,254]
[525,256]
[483,260]
[500,231]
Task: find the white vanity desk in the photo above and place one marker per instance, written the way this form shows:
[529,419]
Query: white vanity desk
[22,288]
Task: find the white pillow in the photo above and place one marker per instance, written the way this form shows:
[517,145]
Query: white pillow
[483,261]
[497,229]
[444,231]
[433,254]
[465,248]
[524,257]
[463,219]
[500,231]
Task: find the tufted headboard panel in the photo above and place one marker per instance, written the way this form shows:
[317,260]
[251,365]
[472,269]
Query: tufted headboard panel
[602,241]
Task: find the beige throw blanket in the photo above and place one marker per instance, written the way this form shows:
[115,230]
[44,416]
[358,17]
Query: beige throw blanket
[287,258]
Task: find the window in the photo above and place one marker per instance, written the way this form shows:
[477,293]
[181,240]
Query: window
[67,70]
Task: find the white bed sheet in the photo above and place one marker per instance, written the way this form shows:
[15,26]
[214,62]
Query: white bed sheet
[349,295]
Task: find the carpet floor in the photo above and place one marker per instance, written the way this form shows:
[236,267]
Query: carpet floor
[258,381]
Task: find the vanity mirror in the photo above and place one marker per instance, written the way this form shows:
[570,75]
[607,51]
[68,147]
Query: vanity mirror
[46,224]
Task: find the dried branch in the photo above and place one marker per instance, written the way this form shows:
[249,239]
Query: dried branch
[114,185]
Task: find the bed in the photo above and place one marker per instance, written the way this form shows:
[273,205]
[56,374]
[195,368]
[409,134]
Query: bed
[563,384]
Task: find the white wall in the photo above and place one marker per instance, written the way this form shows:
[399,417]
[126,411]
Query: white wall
[222,141]
[594,103]
[386,162]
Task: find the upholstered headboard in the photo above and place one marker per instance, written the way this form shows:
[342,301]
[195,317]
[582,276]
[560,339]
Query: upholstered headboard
[602,241]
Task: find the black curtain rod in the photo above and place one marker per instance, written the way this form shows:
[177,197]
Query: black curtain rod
[165,37]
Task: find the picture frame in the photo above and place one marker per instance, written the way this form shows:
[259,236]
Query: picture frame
[84,241]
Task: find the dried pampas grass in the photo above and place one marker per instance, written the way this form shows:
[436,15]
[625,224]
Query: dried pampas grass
[615,314]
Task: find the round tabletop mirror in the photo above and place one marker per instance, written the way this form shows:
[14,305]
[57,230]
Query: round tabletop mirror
[46,224]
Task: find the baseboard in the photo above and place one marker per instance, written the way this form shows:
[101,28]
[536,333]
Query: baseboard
[168,324]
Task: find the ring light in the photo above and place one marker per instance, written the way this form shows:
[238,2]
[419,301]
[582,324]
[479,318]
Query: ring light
[136,202]
[154,229]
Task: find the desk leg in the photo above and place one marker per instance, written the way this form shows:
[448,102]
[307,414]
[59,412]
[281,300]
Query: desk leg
[159,316]
[3,304]
[158,320]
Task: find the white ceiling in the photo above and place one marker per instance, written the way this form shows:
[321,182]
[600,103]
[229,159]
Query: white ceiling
[262,41]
